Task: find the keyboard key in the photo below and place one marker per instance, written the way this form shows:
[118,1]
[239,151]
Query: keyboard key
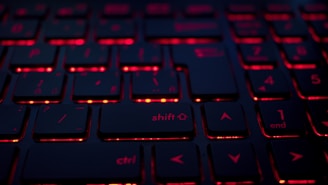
[7,158]
[65,29]
[3,81]
[111,32]
[2,10]
[268,83]
[191,28]
[63,163]
[283,118]
[162,121]
[241,11]
[61,122]
[263,54]
[34,87]
[234,162]
[13,118]
[320,28]
[315,8]
[30,11]
[212,80]
[312,82]
[278,11]
[140,55]
[37,57]
[155,9]
[18,30]
[176,162]
[197,54]
[319,116]
[291,28]
[199,10]
[158,84]
[89,57]
[79,10]
[254,30]
[96,86]
[302,54]
[225,119]
[117,10]
[296,160]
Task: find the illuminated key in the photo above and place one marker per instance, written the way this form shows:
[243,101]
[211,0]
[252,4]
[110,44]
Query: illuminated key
[79,10]
[319,116]
[158,9]
[117,10]
[73,163]
[30,11]
[252,31]
[295,28]
[19,30]
[146,121]
[13,118]
[110,32]
[7,158]
[199,10]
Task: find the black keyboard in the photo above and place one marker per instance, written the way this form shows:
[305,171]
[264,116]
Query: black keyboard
[161,92]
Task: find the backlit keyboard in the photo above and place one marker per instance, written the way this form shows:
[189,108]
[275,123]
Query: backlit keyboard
[163,93]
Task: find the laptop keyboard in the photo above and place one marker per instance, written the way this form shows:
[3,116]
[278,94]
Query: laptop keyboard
[178,93]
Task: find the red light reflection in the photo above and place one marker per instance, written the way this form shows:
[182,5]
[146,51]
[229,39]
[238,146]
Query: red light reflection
[312,98]
[31,69]
[17,42]
[87,69]
[63,140]
[31,102]
[159,100]
[96,101]
[240,17]
[66,41]
[9,140]
[174,41]
[276,17]
[139,68]
[313,127]
[314,17]
[118,41]
[147,139]
[235,183]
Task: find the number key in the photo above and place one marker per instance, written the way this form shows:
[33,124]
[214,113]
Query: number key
[16,30]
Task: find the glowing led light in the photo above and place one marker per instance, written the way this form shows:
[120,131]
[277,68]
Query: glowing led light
[31,102]
[198,100]
[96,101]
[89,101]
[174,41]
[163,100]
[9,141]
[32,69]
[17,42]
[62,140]
[66,41]
[38,102]
[147,100]
[86,69]
[47,102]
[105,101]
[120,41]
[139,68]
[159,100]
[147,139]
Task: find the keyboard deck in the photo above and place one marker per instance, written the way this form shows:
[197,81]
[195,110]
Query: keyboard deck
[178,93]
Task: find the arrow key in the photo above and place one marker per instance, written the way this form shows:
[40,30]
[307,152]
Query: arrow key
[319,116]
[176,162]
[234,162]
[296,161]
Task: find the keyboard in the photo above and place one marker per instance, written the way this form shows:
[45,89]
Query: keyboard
[163,92]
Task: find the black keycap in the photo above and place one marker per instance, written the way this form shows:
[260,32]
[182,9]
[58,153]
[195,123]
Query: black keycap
[290,28]
[297,160]
[61,121]
[155,9]
[25,29]
[117,10]
[199,10]
[3,81]
[314,8]
[234,161]
[65,29]
[320,28]
[241,8]
[250,29]
[83,163]
[2,10]
[268,83]
[39,55]
[141,55]
[197,54]
[13,119]
[38,10]
[39,86]
[225,119]
[279,8]
[156,121]
[319,116]
[115,29]
[302,53]
[86,57]
[7,159]
[176,162]
[191,28]
[97,86]
[158,84]
[283,118]
[79,10]
[259,54]
[312,82]
[212,80]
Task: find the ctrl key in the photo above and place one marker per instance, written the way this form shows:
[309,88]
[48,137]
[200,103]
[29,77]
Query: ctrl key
[67,163]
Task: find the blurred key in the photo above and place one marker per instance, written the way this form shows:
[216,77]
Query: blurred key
[62,122]
[7,158]
[96,87]
[79,10]
[225,119]
[18,30]
[14,118]
[319,116]
[234,162]
[30,11]
[39,87]
[158,9]
[158,84]
[112,31]
[2,10]
[76,163]
[146,121]
[89,57]
[312,82]
[278,11]
[295,28]
[252,31]
[283,118]
[199,10]
[117,10]
[241,11]
[296,161]
[176,162]
[320,29]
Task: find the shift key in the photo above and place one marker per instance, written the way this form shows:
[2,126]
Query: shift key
[146,121]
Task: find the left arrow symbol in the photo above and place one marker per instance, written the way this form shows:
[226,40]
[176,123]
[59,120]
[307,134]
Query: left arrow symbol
[177,159]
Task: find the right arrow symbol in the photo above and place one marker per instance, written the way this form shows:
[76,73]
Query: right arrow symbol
[177,159]
[296,156]
[234,158]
